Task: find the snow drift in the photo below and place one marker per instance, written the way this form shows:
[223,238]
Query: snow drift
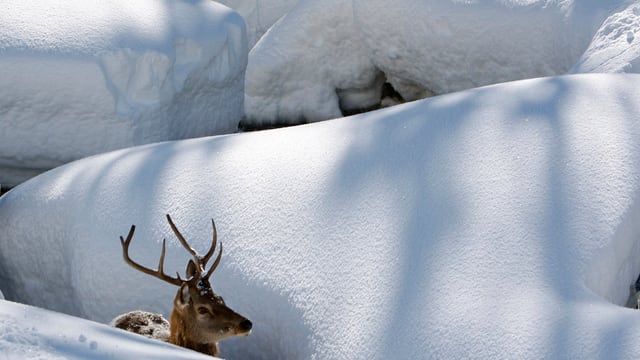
[36,334]
[325,58]
[469,225]
[79,78]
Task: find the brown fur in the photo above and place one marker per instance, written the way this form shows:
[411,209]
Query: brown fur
[199,318]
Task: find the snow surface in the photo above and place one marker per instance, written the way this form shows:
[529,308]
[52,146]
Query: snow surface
[259,15]
[615,47]
[83,77]
[489,223]
[324,58]
[32,333]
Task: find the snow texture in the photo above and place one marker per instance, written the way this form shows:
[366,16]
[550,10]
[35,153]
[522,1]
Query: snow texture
[325,58]
[489,223]
[259,15]
[83,77]
[28,333]
[615,47]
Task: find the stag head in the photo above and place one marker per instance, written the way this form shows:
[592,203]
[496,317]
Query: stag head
[199,318]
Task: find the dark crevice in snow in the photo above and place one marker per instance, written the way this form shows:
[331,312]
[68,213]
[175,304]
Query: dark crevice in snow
[244,126]
[388,97]
[4,189]
[634,295]
[385,96]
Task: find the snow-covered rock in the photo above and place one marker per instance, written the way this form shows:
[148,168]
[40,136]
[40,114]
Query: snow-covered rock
[83,77]
[490,223]
[327,57]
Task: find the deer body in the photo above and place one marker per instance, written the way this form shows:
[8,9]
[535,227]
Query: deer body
[200,318]
[151,325]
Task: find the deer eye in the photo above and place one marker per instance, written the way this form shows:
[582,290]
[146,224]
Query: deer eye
[202,310]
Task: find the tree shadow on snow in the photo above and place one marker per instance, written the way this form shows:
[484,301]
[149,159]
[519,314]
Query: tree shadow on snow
[414,152]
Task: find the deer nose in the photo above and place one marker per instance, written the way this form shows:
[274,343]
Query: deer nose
[246,325]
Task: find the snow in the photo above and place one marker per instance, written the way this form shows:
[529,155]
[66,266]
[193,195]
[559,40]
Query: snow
[36,334]
[324,59]
[84,77]
[498,220]
[259,15]
[614,47]
[485,222]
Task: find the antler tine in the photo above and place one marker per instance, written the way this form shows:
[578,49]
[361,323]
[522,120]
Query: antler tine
[182,240]
[209,253]
[159,273]
[215,264]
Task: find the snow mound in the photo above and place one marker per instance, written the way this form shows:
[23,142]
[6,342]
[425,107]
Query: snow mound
[324,59]
[468,225]
[259,14]
[290,76]
[616,45]
[79,78]
[31,333]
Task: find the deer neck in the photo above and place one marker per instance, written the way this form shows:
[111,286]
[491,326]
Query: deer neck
[179,336]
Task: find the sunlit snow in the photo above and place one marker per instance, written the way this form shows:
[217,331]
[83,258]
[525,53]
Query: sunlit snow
[499,221]
[83,77]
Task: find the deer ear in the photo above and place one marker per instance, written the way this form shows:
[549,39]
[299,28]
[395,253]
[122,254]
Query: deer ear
[191,269]
[182,297]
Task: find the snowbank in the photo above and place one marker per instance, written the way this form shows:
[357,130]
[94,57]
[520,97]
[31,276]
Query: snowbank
[31,333]
[294,71]
[615,47]
[327,58]
[469,225]
[259,14]
[79,78]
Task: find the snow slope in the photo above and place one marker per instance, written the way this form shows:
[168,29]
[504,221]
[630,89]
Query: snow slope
[83,77]
[328,57]
[31,333]
[490,223]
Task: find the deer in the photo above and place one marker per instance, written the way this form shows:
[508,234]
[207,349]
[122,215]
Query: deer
[199,318]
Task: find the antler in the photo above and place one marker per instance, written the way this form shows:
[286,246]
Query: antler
[200,261]
[155,273]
